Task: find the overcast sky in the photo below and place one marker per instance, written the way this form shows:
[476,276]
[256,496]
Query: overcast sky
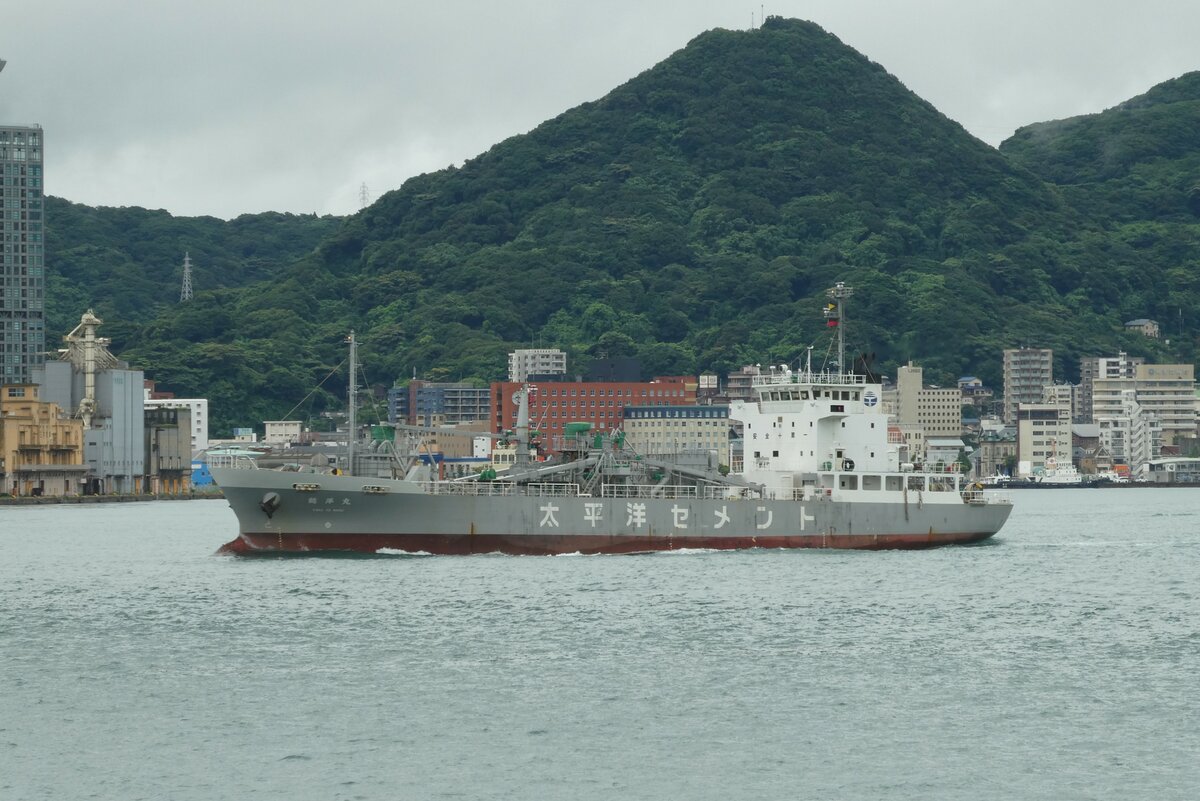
[225,107]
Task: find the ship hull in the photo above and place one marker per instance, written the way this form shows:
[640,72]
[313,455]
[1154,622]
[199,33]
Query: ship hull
[341,513]
[533,545]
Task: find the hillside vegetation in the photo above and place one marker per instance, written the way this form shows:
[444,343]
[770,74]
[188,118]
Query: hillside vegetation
[692,217]
[1135,171]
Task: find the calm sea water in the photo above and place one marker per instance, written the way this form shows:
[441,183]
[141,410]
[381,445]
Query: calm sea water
[1060,661]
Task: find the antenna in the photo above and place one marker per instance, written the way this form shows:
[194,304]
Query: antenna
[839,293]
[185,292]
[364,199]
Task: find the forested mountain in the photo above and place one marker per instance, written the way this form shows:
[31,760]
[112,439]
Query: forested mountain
[128,262]
[692,217]
[1134,170]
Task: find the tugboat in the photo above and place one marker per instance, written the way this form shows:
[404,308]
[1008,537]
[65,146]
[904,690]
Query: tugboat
[818,471]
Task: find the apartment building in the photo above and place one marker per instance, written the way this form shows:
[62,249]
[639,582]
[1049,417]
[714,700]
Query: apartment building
[1166,391]
[536,363]
[1093,368]
[1026,372]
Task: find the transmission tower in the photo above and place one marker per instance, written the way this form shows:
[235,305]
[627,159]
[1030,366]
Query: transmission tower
[364,199]
[185,293]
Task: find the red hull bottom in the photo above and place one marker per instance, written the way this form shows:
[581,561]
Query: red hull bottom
[539,545]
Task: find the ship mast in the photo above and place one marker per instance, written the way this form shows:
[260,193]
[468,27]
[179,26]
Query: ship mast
[839,293]
[353,398]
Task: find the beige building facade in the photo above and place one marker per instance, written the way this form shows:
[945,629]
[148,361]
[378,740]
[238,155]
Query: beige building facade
[1044,437]
[1026,372]
[41,448]
[1167,391]
[665,430]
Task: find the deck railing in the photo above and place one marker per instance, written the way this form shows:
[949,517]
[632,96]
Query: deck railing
[646,491]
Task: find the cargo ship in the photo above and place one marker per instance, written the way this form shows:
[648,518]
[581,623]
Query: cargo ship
[817,471]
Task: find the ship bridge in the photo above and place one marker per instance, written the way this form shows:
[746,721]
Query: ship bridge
[785,385]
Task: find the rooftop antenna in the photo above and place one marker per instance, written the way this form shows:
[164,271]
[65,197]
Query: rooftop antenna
[363,197]
[185,293]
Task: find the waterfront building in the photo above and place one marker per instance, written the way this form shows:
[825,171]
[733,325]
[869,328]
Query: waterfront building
[281,432]
[107,396]
[665,431]
[922,413]
[537,364]
[168,455]
[942,453]
[997,448]
[1167,391]
[22,253]
[41,447]
[438,403]
[1044,433]
[1092,368]
[1026,372]
[1129,433]
[197,417]
[602,403]
[1089,456]
[1175,470]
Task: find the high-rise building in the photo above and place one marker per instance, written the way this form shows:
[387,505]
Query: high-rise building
[22,257]
[1166,391]
[1026,372]
[1093,368]
[937,411]
[531,364]
[1129,433]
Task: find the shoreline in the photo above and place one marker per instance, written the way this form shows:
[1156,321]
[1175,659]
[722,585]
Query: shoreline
[29,500]
[1101,485]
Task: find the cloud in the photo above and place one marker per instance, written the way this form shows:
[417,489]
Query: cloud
[227,107]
